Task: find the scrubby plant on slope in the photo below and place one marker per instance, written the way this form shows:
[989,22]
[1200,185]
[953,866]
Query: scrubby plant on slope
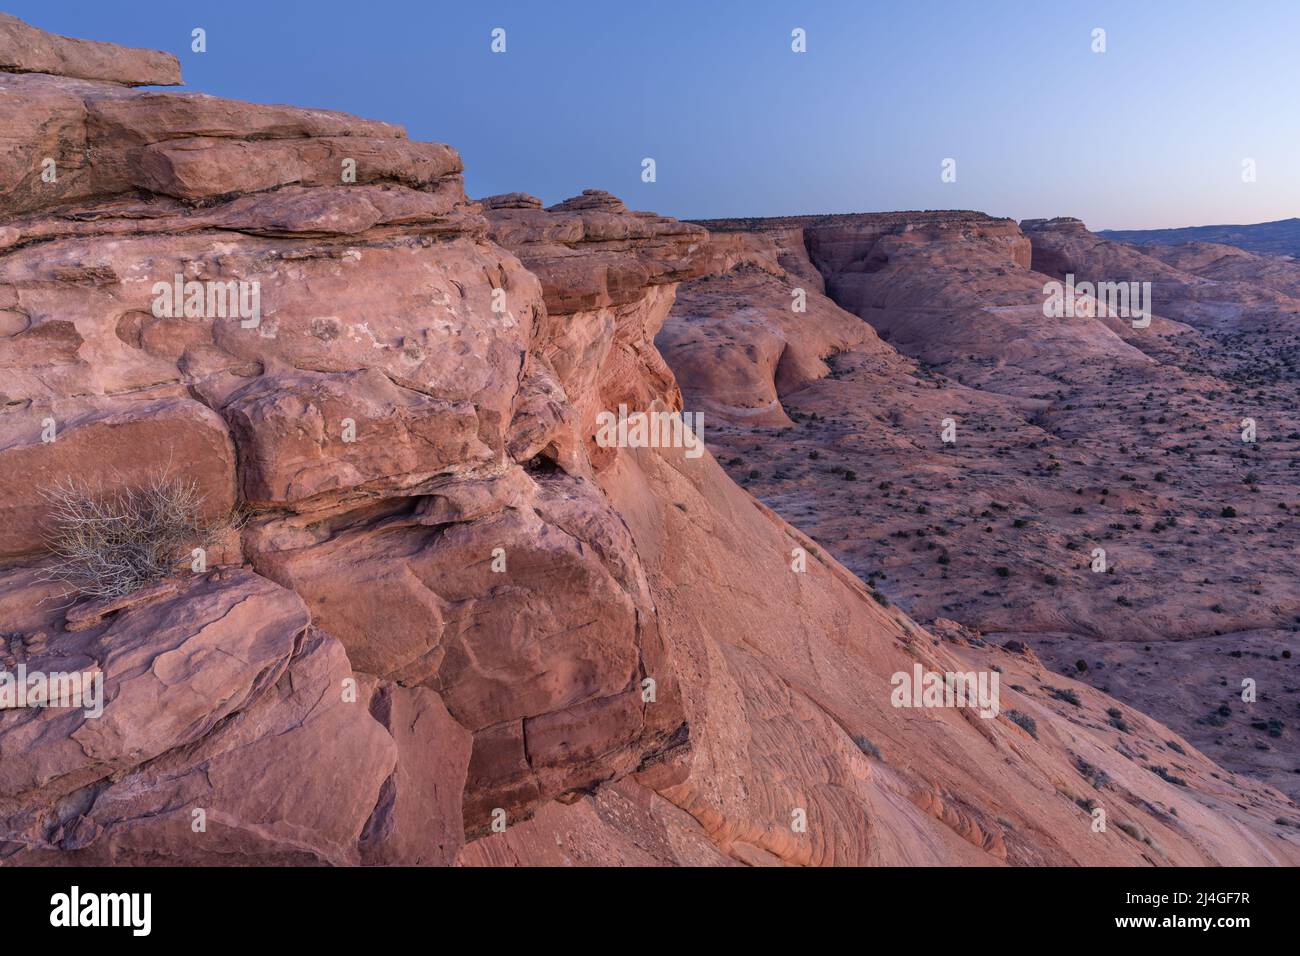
[108,543]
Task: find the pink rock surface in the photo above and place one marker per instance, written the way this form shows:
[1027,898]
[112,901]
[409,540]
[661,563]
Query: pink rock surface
[374,408]
[102,442]
[418,818]
[25,49]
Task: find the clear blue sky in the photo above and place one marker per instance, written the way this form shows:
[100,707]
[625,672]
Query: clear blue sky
[1151,133]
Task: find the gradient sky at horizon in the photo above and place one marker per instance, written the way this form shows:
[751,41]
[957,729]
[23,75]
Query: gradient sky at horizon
[1150,134]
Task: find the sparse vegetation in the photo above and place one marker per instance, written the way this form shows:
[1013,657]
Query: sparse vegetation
[1117,719]
[1273,727]
[1024,722]
[1094,775]
[1164,774]
[1134,832]
[1067,695]
[109,543]
[867,747]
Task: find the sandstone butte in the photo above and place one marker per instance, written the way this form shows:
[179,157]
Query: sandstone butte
[350,682]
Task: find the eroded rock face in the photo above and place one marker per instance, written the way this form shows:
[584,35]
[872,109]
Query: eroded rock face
[369,387]
[788,702]
[590,252]
[551,688]
[1213,291]
[787,692]
[609,277]
[418,818]
[106,440]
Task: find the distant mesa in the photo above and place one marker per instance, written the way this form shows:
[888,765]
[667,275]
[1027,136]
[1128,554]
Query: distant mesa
[1278,238]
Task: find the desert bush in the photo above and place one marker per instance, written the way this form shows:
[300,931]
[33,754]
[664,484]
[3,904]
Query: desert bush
[1024,721]
[108,543]
[1164,774]
[865,744]
[1117,719]
[1068,695]
[1094,775]
[1134,832]
[1273,726]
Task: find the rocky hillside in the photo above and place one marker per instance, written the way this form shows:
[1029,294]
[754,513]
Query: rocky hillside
[1071,434]
[441,622]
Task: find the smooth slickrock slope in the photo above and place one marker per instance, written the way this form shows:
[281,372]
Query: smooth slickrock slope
[451,620]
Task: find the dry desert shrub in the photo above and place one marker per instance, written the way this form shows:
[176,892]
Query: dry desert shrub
[108,543]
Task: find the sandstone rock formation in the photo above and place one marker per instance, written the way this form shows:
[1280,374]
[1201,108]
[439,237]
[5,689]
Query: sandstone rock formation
[374,421]
[25,49]
[1071,435]
[447,606]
